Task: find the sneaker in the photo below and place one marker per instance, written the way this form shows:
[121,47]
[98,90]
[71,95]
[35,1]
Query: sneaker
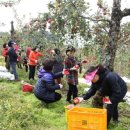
[115,121]
[17,80]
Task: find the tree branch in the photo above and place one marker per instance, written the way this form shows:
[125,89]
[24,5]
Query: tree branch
[96,20]
[123,42]
[102,27]
[125,12]
[89,18]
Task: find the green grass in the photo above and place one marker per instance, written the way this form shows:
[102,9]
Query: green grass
[22,111]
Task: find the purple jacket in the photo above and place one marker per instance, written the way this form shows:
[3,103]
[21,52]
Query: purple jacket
[41,72]
[46,86]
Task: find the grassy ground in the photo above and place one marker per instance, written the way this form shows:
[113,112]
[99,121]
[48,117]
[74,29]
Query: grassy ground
[22,111]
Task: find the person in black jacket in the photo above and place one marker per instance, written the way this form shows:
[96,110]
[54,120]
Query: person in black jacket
[12,58]
[58,62]
[106,83]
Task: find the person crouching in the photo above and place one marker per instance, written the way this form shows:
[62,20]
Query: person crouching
[45,87]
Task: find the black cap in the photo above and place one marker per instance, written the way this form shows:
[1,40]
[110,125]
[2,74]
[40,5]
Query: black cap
[10,43]
[70,48]
[57,51]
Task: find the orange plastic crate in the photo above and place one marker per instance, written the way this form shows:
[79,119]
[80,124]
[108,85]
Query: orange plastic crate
[87,119]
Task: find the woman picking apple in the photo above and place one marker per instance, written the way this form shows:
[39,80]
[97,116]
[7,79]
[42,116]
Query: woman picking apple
[105,83]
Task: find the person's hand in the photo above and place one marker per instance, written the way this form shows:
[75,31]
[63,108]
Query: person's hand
[36,61]
[84,61]
[61,86]
[78,100]
[73,68]
[76,67]
[65,72]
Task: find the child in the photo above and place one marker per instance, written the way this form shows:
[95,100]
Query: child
[72,78]
[45,87]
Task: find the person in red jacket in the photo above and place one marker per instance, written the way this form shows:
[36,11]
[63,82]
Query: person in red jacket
[5,50]
[4,53]
[28,51]
[33,60]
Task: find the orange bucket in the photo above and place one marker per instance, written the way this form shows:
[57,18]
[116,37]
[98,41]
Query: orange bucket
[27,88]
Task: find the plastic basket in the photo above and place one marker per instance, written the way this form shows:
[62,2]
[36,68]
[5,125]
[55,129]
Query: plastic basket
[27,88]
[87,119]
[67,108]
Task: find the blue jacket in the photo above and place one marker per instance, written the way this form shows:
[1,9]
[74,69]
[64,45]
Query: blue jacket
[110,84]
[46,86]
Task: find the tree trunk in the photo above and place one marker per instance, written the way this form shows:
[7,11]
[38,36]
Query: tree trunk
[114,32]
[12,30]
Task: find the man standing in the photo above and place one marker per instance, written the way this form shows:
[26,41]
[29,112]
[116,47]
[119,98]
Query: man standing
[12,58]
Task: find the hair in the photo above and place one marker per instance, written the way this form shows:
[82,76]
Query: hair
[10,43]
[4,45]
[48,64]
[101,69]
[34,48]
[70,49]
[57,51]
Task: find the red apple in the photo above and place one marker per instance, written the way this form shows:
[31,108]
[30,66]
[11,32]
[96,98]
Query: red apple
[76,101]
[76,66]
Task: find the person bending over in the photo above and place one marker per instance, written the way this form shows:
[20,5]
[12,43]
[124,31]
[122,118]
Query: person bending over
[105,83]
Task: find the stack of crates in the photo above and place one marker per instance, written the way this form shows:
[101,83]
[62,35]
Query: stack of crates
[79,118]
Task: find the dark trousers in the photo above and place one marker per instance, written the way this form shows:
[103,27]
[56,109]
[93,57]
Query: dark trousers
[112,112]
[19,65]
[72,91]
[26,67]
[57,98]
[31,71]
[7,63]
